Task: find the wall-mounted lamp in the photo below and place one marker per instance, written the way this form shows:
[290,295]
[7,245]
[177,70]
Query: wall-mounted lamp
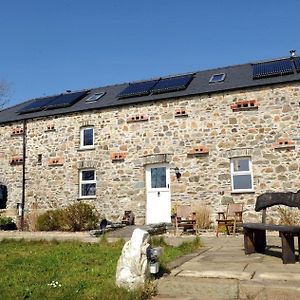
[177,173]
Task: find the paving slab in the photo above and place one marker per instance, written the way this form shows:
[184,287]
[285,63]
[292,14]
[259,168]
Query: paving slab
[197,265]
[268,290]
[227,274]
[204,289]
[276,266]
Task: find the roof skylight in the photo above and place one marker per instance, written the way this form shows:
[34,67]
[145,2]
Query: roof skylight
[217,78]
[95,97]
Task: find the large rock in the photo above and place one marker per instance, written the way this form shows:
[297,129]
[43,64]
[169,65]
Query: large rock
[132,268]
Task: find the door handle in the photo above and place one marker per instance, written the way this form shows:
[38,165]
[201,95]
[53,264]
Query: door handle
[158,194]
[168,185]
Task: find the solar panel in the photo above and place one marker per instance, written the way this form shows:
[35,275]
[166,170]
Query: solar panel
[138,89]
[297,63]
[65,100]
[272,68]
[36,105]
[172,84]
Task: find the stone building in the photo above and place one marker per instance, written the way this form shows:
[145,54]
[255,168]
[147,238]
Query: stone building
[205,138]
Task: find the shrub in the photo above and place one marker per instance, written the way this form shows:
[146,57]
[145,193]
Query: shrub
[75,217]
[80,216]
[288,216]
[203,218]
[7,223]
[51,220]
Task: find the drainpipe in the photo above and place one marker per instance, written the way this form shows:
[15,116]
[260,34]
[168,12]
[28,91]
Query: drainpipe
[23,175]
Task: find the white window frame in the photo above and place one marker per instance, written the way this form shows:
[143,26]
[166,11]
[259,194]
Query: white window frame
[82,146]
[212,80]
[95,97]
[237,173]
[82,182]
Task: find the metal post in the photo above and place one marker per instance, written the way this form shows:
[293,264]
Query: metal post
[23,177]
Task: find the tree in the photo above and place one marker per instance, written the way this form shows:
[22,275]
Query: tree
[4,93]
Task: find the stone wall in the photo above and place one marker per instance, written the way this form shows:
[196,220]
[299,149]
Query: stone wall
[162,133]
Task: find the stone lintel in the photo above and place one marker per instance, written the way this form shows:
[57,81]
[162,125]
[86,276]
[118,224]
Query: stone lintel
[87,164]
[156,159]
[86,123]
[239,152]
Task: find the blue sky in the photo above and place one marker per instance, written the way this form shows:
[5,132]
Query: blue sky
[48,47]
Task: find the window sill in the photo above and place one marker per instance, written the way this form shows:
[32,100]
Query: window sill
[86,148]
[243,192]
[87,198]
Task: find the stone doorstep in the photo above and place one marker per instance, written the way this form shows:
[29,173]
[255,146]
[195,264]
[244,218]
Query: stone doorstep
[217,274]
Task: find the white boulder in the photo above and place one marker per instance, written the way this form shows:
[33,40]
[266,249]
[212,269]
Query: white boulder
[132,268]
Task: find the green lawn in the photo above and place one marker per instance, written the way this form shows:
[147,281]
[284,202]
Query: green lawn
[67,270]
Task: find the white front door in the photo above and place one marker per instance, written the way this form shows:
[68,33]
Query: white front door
[158,194]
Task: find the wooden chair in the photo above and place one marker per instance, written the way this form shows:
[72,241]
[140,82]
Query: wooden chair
[128,218]
[231,218]
[185,218]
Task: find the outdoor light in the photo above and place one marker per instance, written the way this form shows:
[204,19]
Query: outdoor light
[177,173]
[152,255]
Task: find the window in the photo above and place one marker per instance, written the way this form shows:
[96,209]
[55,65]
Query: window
[95,97]
[3,196]
[241,174]
[158,178]
[217,78]
[87,183]
[87,138]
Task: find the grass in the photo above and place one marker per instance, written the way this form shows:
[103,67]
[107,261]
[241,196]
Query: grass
[171,253]
[69,270]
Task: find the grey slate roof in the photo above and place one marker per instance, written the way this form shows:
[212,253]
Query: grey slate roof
[237,77]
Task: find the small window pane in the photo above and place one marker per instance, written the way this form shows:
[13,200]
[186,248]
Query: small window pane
[242,182]
[88,189]
[158,178]
[88,175]
[241,165]
[88,137]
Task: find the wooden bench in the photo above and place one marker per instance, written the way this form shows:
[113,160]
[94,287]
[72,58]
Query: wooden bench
[255,233]
[255,239]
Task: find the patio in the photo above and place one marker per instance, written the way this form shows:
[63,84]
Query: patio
[223,271]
